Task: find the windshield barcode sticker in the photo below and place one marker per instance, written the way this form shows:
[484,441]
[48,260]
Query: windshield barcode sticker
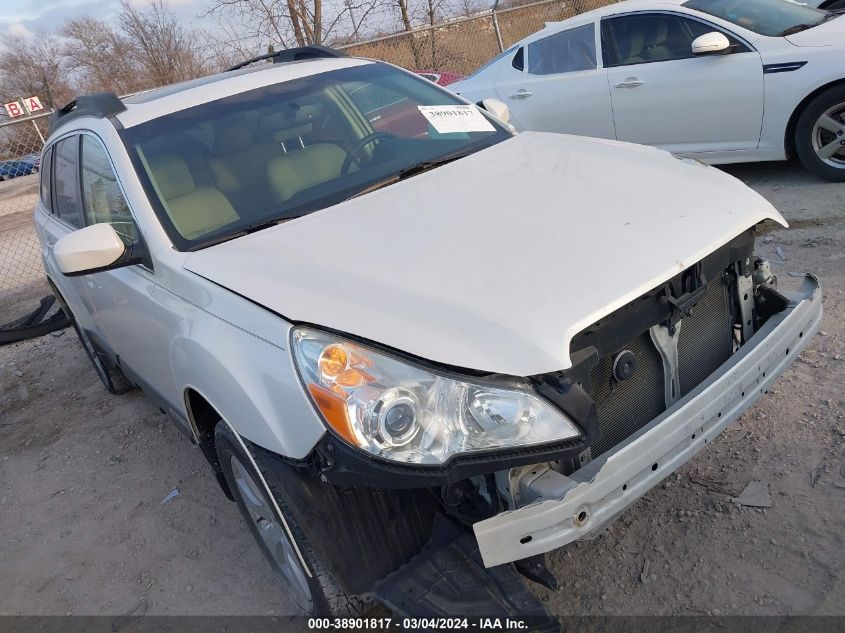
[447,119]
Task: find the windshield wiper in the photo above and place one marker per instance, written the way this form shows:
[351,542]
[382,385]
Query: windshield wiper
[792,30]
[413,170]
[250,228]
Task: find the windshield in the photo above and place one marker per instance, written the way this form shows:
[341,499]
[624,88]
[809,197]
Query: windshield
[238,164]
[766,17]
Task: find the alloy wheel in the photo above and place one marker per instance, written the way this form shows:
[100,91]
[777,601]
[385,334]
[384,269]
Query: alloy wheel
[829,136]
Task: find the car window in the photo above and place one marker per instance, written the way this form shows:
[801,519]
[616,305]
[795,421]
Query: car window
[284,150]
[564,52]
[652,37]
[518,61]
[102,198]
[66,203]
[502,55]
[46,162]
[765,17]
[388,110]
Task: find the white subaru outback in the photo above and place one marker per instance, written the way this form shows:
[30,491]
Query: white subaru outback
[418,350]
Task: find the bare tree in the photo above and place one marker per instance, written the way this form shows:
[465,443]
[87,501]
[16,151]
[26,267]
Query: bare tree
[287,23]
[34,66]
[164,49]
[407,25]
[99,56]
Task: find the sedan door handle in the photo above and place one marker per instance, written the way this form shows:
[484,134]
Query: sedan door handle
[630,82]
[521,94]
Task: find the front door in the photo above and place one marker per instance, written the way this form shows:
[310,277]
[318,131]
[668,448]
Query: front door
[121,298]
[665,96]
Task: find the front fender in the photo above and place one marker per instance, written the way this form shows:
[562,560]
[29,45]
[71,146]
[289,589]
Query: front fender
[248,379]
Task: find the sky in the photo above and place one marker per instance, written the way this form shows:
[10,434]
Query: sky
[24,17]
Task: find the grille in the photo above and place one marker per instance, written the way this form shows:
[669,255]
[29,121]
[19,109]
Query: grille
[624,407]
[704,343]
[706,338]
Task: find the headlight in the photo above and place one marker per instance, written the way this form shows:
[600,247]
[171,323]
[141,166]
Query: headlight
[403,412]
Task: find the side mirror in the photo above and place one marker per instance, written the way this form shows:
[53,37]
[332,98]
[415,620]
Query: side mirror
[713,43]
[497,109]
[92,249]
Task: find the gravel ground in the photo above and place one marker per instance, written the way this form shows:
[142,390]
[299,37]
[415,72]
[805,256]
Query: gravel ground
[83,529]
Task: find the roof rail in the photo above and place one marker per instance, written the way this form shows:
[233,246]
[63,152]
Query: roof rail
[100,105]
[314,51]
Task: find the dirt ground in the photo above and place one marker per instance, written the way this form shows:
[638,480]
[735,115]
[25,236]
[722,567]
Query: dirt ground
[83,529]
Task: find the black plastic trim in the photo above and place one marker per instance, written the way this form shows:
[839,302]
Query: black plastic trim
[362,534]
[297,54]
[100,105]
[342,464]
[788,67]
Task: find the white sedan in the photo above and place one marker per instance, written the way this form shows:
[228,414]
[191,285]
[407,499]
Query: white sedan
[723,81]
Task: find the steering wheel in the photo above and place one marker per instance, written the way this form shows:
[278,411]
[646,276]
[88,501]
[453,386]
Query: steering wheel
[369,138]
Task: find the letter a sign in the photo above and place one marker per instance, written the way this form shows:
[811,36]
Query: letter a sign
[33,104]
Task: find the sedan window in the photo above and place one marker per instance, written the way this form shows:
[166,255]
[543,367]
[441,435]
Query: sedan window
[564,52]
[654,37]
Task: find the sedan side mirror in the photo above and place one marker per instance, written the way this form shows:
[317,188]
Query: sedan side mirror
[713,43]
[92,249]
[497,108]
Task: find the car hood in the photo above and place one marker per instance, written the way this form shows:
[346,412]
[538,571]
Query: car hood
[828,34]
[495,261]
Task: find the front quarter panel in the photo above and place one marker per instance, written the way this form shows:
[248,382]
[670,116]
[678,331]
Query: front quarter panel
[786,90]
[246,374]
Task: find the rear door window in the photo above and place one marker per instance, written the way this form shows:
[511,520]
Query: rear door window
[564,52]
[46,172]
[66,201]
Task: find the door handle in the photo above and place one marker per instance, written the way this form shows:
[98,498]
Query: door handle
[521,94]
[630,82]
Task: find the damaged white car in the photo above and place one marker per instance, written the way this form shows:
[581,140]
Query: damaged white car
[406,340]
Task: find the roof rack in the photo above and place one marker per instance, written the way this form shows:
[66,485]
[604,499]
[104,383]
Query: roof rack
[314,51]
[100,105]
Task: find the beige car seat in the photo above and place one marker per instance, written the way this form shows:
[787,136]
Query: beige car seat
[304,168]
[238,167]
[193,210]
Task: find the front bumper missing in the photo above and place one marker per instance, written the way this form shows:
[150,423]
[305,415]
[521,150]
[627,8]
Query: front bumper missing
[593,496]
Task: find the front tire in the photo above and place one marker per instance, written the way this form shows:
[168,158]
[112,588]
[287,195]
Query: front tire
[318,595]
[820,135]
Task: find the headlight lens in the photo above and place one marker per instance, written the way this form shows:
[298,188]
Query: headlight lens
[399,411]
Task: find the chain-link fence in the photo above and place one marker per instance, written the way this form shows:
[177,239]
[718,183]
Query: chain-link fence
[23,285]
[462,45]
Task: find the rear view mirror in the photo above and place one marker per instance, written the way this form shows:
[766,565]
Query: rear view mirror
[92,249]
[713,43]
[497,109]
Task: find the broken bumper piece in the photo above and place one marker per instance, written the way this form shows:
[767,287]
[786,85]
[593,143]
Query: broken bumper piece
[583,504]
[448,580]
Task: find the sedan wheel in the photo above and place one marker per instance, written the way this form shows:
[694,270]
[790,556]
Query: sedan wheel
[829,136]
[820,135]
[273,536]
